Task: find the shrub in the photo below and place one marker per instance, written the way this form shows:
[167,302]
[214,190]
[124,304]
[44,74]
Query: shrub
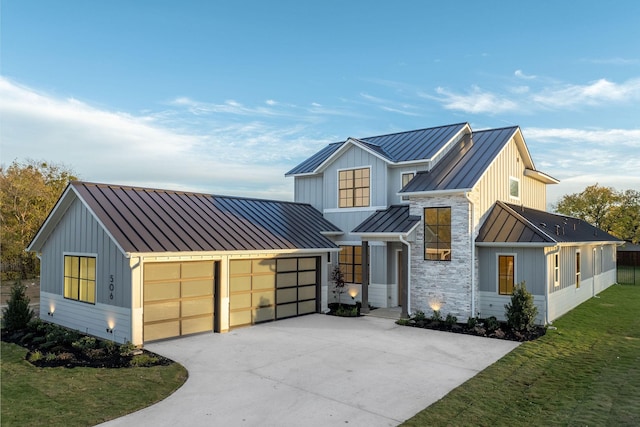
[521,312]
[35,356]
[402,322]
[142,360]
[126,349]
[17,314]
[436,316]
[491,324]
[85,344]
[450,320]
[419,316]
[50,357]
[472,322]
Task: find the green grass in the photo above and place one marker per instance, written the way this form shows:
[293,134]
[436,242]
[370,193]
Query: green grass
[587,372]
[33,396]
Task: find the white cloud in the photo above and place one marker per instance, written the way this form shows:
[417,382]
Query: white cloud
[596,93]
[522,75]
[476,101]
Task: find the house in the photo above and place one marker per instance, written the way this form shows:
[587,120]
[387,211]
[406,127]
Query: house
[421,211]
[137,264]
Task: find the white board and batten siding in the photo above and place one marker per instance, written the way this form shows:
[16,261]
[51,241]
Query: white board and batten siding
[113,277]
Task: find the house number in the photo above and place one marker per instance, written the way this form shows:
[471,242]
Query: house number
[111,286]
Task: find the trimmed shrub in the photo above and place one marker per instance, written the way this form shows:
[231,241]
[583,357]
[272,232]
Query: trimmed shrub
[521,312]
[17,314]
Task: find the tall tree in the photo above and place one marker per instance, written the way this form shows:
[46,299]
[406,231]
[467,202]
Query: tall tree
[616,212]
[28,191]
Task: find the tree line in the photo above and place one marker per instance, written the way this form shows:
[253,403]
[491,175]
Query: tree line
[29,190]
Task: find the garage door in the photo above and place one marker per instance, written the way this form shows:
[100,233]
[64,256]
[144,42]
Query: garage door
[178,298]
[261,290]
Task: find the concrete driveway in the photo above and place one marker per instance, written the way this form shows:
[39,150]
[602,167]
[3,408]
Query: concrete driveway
[315,370]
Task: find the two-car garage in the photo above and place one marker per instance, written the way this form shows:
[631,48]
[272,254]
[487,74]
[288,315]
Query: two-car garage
[182,298]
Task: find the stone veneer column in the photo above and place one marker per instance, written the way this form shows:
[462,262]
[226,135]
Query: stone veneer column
[443,285]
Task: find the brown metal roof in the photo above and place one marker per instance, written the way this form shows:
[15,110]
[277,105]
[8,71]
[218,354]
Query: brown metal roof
[508,223]
[151,220]
[393,220]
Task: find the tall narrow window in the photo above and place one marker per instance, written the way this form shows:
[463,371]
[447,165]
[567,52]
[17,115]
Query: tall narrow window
[437,234]
[556,270]
[514,187]
[353,188]
[506,274]
[577,269]
[350,261]
[406,177]
[80,278]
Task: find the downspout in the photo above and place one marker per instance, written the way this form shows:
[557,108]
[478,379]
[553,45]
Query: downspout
[408,267]
[472,244]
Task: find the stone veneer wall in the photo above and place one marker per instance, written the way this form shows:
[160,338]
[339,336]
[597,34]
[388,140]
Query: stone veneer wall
[443,285]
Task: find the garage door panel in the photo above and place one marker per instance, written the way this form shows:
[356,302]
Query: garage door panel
[197,307]
[307,278]
[286,280]
[161,271]
[239,284]
[197,288]
[264,282]
[287,264]
[287,310]
[161,291]
[306,292]
[162,330]
[239,318]
[199,324]
[162,311]
[262,299]
[194,269]
[287,295]
[307,263]
[264,266]
[263,314]
[306,307]
[240,301]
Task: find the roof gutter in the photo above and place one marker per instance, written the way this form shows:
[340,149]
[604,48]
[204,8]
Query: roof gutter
[408,267]
[472,245]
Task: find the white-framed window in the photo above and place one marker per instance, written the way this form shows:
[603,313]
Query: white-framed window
[578,263]
[556,270]
[406,178]
[514,188]
[506,269]
[354,187]
[80,278]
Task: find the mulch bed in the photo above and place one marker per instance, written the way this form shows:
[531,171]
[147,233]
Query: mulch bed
[503,332]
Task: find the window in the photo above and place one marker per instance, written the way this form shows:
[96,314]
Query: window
[514,187]
[350,262]
[437,234]
[353,185]
[80,278]
[556,270]
[577,269]
[506,274]
[406,177]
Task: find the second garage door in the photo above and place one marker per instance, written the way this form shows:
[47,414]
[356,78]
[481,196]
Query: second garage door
[178,298]
[262,290]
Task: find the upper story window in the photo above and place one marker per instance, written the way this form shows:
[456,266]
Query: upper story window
[437,234]
[80,278]
[354,186]
[514,187]
[406,177]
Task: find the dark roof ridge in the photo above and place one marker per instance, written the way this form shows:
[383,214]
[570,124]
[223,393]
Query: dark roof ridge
[414,130]
[184,192]
[495,129]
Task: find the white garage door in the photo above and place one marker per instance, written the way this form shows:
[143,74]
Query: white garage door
[178,298]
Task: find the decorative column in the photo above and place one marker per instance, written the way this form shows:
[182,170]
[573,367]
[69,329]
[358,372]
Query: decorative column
[365,277]
[404,286]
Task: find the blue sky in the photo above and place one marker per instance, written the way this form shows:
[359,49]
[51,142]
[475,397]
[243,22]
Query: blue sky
[226,96]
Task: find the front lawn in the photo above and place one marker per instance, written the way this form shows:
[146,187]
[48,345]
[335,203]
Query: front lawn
[32,396]
[585,372]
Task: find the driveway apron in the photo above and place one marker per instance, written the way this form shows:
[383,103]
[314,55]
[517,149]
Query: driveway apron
[315,370]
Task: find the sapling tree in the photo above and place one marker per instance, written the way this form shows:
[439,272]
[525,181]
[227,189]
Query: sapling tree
[337,277]
[17,314]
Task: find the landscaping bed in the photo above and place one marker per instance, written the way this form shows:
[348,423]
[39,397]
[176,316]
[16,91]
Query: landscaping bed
[51,345]
[489,327]
[343,310]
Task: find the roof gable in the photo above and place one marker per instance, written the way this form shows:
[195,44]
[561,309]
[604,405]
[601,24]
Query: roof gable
[150,220]
[410,146]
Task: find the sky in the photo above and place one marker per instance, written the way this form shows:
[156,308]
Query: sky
[225,97]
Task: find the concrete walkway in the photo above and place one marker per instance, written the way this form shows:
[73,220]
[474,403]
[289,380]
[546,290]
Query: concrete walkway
[315,370]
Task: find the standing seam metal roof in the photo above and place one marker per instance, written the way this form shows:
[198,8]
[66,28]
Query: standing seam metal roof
[421,144]
[395,219]
[151,220]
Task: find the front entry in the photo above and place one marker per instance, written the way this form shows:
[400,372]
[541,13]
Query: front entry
[178,298]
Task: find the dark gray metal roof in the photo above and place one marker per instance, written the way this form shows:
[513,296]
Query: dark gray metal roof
[508,223]
[393,220]
[464,164]
[418,144]
[151,220]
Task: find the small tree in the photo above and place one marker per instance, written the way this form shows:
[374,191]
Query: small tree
[337,277]
[17,313]
[521,312]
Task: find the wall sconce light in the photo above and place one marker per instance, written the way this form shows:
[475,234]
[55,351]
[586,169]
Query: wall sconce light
[109,330]
[50,313]
[353,292]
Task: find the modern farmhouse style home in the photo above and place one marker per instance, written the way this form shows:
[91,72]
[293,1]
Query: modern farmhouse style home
[418,213]
[443,218]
